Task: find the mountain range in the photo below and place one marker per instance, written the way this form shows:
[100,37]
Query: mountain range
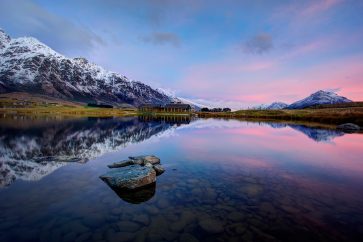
[318,98]
[27,65]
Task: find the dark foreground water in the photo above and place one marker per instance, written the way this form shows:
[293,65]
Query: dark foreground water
[224,181]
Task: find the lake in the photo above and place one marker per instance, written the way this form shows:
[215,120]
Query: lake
[225,180]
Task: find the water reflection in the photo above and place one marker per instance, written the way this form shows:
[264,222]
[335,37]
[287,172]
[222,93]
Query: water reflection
[226,180]
[317,134]
[137,196]
[34,151]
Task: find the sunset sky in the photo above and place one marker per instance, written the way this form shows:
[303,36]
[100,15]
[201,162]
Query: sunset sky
[235,53]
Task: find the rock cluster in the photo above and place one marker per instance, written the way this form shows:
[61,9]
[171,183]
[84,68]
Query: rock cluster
[135,173]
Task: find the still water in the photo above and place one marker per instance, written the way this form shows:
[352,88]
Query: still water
[225,180]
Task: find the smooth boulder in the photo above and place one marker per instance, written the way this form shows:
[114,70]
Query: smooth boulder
[348,127]
[130,177]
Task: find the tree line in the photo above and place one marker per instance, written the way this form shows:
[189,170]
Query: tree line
[215,110]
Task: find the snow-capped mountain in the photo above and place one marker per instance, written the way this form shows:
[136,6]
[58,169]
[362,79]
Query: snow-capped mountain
[277,106]
[260,107]
[317,98]
[272,106]
[27,65]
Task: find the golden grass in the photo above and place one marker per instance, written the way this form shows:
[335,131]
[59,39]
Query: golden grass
[77,111]
[326,116]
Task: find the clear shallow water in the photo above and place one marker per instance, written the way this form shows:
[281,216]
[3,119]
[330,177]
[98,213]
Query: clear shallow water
[224,181]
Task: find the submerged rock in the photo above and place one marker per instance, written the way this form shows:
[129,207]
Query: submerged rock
[348,127]
[138,195]
[130,177]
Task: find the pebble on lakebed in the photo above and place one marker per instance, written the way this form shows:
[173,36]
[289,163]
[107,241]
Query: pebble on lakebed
[137,172]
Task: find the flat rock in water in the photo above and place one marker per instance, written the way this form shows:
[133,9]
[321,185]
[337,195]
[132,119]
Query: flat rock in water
[348,127]
[130,177]
[144,159]
[121,164]
[159,169]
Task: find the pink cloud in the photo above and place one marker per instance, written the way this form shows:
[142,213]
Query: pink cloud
[301,11]
[316,7]
[280,77]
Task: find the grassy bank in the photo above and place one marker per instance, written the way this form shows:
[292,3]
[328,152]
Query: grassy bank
[78,111]
[330,116]
[39,105]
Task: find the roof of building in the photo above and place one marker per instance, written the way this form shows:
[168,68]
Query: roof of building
[150,106]
[178,105]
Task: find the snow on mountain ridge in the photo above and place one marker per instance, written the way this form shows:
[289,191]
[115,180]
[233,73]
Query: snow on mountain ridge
[28,65]
[317,98]
[277,106]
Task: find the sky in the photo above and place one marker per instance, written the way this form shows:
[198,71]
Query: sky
[219,53]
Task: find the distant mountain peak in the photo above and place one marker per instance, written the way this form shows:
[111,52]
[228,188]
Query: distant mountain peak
[277,106]
[318,98]
[4,38]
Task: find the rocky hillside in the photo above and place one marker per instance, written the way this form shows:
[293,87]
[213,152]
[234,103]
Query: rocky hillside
[27,65]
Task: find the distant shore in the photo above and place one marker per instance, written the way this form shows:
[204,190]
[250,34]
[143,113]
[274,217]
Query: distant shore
[328,116]
[37,105]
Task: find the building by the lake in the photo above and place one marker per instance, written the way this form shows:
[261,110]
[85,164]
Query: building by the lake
[170,108]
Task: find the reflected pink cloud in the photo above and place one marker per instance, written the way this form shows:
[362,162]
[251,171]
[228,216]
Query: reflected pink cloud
[249,145]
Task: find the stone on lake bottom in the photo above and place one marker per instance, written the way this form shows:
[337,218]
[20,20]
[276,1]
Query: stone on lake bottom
[211,226]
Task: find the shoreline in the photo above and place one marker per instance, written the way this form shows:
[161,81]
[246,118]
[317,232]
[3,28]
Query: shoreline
[319,118]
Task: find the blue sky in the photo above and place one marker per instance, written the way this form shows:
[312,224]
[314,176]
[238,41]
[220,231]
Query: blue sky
[236,53]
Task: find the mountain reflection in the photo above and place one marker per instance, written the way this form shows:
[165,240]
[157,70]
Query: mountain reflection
[31,149]
[30,152]
[317,134]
